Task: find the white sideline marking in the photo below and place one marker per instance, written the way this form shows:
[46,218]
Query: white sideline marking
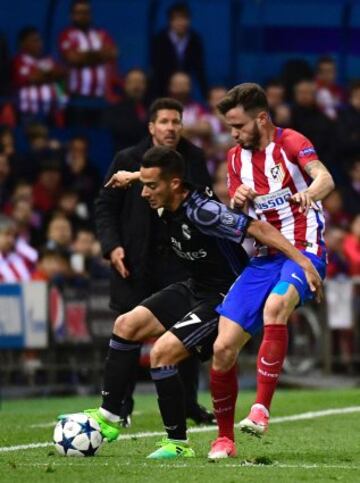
[244,464]
[204,429]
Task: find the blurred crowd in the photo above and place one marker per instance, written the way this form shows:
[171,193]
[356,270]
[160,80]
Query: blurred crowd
[47,192]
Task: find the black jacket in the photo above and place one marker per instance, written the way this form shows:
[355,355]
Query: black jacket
[124,219]
[165,61]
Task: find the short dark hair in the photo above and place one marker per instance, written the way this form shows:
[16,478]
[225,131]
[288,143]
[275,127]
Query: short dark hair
[181,8]
[164,103]
[251,97]
[26,32]
[74,3]
[274,83]
[170,162]
[354,86]
[325,59]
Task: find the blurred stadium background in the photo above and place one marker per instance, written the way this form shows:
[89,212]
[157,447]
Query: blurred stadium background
[54,329]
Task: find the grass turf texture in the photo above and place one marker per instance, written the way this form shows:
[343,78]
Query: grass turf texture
[320,449]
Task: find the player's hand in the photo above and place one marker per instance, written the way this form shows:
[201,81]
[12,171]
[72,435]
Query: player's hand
[305,202]
[120,179]
[117,259]
[242,195]
[314,280]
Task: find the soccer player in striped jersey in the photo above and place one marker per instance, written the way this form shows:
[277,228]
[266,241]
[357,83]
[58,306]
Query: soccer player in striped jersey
[275,176]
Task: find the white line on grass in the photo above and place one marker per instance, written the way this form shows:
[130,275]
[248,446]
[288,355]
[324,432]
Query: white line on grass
[244,464]
[203,429]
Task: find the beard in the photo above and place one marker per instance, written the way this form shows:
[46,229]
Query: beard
[254,142]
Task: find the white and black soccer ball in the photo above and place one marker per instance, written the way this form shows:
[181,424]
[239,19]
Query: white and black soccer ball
[77,435]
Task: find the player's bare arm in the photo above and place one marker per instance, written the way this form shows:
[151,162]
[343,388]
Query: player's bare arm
[270,236]
[122,179]
[321,186]
[242,196]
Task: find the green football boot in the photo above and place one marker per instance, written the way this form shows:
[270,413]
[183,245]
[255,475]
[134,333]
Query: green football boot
[109,430]
[170,449]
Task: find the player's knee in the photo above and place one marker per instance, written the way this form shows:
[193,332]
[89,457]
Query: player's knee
[161,354]
[275,310]
[224,355]
[127,327]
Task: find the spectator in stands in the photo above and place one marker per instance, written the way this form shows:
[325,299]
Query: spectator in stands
[329,95]
[352,247]
[335,213]
[7,114]
[27,221]
[80,174]
[212,132]
[59,234]
[18,163]
[348,138]
[47,188]
[292,72]
[42,149]
[127,119]
[177,48]
[180,88]
[339,296]
[53,265]
[220,183]
[337,263]
[69,205]
[17,258]
[279,109]
[6,180]
[87,52]
[352,190]
[85,254]
[35,78]
[307,118]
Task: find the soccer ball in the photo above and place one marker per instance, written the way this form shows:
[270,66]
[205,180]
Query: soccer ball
[77,435]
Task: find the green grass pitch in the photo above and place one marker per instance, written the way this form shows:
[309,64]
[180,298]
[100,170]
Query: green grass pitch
[323,448]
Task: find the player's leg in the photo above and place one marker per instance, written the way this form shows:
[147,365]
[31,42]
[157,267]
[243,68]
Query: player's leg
[289,291]
[167,352]
[129,331]
[241,318]
[224,385]
[194,334]
[189,373]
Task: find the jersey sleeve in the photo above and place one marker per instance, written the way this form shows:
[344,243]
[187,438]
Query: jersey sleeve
[300,149]
[67,42]
[215,219]
[233,177]
[107,39]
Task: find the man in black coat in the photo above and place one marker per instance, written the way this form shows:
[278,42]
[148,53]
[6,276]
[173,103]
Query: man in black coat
[133,238]
[177,48]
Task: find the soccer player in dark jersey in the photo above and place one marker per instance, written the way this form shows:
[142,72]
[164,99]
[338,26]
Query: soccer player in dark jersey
[205,234]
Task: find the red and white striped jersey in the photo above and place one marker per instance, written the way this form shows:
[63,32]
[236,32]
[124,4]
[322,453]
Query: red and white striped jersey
[88,80]
[276,173]
[33,98]
[18,265]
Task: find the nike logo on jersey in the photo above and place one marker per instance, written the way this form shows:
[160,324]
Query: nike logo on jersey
[266,363]
[170,428]
[297,278]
